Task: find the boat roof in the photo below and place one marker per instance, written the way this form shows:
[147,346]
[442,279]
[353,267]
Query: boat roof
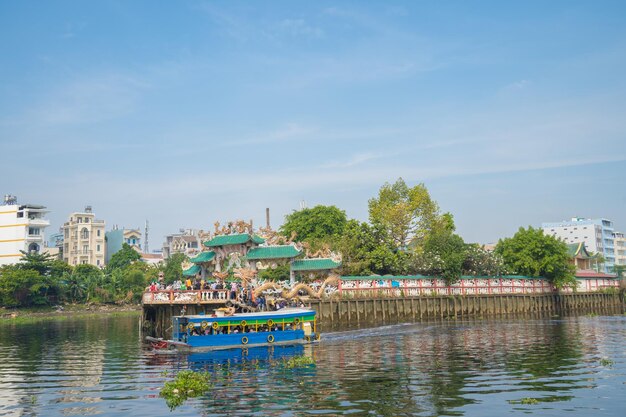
[283,312]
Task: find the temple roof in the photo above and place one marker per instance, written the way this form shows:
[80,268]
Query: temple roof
[191,271]
[203,257]
[587,273]
[272,252]
[579,250]
[314,264]
[234,239]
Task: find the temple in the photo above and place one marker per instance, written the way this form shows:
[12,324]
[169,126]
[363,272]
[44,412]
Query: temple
[237,249]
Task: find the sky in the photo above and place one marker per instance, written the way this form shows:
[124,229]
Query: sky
[190,112]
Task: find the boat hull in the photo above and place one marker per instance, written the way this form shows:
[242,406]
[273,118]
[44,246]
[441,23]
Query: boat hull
[203,333]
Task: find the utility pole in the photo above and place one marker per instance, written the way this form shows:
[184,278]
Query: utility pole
[146,247]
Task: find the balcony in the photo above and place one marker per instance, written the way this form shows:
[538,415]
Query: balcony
[82,252]
[38,222]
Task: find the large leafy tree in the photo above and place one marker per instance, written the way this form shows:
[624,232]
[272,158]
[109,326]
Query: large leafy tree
[20,287]
[530,252]
[443,255]
[367,250]
[172,269]
[84,282]
[123,258]
[481,262]
[406,213]
[315,224]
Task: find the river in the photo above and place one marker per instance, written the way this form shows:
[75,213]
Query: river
[491,367]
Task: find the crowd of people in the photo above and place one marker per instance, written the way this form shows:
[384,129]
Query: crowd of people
[222,290]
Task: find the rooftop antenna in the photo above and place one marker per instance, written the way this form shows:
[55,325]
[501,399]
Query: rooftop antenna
[146,248]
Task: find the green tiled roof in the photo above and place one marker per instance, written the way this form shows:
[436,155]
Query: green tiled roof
[191,271]
[272,252]
[203,257]
[314,264]
[576,249]
[238,239]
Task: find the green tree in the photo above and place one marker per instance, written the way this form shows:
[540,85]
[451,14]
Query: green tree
[367,250]
[280,273]
[314,224]
[84,282]
[172,269]
[481,262]
[122,258]
[406,213]
[20,287]
[443,256]
[530,252]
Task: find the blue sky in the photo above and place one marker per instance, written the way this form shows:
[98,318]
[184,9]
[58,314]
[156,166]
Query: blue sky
[184,113]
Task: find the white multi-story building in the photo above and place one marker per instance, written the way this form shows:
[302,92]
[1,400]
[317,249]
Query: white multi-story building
[620,248]
[83,239]
[596,233]
[22,228]
[188,241]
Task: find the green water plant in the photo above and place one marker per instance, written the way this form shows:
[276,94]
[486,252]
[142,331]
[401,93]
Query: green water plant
[606,362]
[186,384]
[297,362]
[525,401]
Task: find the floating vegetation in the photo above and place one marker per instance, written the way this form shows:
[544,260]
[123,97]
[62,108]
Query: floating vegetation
[606,362]
[297,362]
[187,384]
[525,401]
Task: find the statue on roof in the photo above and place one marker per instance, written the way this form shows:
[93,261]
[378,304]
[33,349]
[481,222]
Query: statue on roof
[273,238]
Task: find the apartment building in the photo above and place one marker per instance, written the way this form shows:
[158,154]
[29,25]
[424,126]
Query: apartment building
[83,239]
[597,234]
[22,228]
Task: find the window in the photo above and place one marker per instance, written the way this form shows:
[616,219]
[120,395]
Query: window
[98,262]
[98,248]
[20,214]
[79,219]
[86,219]
[33,231]
[84,233]
[85,249]
[98,233]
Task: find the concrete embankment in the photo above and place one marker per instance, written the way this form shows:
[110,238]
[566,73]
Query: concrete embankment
[356,312]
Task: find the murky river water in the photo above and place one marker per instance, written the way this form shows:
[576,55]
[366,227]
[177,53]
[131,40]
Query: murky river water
[548,367]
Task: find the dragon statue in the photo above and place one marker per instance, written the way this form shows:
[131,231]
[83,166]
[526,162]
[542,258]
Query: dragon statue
[293,292]
[245,275]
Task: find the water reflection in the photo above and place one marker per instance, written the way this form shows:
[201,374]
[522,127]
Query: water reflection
[469,368]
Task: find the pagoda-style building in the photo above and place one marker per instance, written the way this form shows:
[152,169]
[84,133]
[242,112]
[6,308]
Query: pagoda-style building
[236,247]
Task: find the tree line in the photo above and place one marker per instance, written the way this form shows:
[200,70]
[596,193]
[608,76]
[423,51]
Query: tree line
[41,279]
[406,235]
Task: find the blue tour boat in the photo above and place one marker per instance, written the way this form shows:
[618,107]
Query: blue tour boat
[288,326]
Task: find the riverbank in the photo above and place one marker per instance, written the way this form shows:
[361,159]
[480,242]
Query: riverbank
[20,315]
